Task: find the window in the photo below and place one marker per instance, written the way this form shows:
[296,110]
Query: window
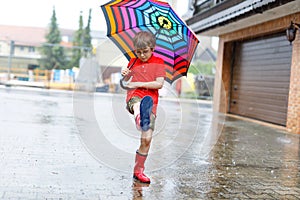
[219,1]
[203,5]
[31,49]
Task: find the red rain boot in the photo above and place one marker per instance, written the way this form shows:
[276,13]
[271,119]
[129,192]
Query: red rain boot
[138,172]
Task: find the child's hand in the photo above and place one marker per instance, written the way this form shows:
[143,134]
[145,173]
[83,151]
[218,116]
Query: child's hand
[125,72]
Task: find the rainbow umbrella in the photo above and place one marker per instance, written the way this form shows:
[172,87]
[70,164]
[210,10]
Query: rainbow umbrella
[175,42]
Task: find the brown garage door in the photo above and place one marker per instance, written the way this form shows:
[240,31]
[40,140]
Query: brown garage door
[261,78]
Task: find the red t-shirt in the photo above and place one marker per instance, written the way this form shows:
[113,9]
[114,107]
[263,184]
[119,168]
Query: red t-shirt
[146,72]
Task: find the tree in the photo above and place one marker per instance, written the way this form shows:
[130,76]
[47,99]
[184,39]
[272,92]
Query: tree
[202,68]
[82,42]
[77,44]
[87,39]
[53,53]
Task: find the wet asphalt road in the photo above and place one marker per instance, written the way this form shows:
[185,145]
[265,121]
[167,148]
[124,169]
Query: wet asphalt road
[65,145]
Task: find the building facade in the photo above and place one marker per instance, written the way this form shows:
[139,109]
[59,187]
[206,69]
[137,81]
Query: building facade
[258,70]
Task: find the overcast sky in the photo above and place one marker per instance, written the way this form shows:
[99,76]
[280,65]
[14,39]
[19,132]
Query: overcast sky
[37,13]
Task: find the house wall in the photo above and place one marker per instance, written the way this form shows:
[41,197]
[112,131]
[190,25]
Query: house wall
[223,77]
[293,120]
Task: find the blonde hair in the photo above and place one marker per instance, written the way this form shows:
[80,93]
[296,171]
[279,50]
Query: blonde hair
[143,40]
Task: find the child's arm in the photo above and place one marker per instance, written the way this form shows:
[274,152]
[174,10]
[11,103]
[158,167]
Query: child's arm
[157,84]
[125,72]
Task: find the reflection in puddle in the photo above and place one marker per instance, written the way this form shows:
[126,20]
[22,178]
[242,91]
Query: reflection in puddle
[137,189]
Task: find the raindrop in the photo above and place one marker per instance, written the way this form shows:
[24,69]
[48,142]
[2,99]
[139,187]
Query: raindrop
[284,140]
[220,194]
[233,162]
[272,171]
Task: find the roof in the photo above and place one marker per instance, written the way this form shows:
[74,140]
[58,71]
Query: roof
[28,36]
[31,36]
[208,55]
[231,11]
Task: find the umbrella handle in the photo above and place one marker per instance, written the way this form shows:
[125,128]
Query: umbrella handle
[124,83]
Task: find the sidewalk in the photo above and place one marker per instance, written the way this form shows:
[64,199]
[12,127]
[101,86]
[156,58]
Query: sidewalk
[44,155]
[34,84]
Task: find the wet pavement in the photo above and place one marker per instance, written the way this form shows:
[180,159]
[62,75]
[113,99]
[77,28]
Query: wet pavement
[65,145]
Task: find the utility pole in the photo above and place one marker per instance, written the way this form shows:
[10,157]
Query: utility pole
[11,54]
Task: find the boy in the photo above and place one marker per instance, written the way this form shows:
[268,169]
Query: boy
[145,76]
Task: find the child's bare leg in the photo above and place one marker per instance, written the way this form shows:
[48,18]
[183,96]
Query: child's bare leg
[136,114]
[146,138]
[136,109]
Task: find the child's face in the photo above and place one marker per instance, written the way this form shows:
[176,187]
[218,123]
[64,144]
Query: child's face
[144,54]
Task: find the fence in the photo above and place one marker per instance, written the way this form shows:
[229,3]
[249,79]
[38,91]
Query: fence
[23,74]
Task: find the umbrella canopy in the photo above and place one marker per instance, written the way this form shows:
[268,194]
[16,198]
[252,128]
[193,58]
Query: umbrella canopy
[175,42]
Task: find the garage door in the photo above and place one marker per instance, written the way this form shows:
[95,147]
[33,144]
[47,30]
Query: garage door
[261,78]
